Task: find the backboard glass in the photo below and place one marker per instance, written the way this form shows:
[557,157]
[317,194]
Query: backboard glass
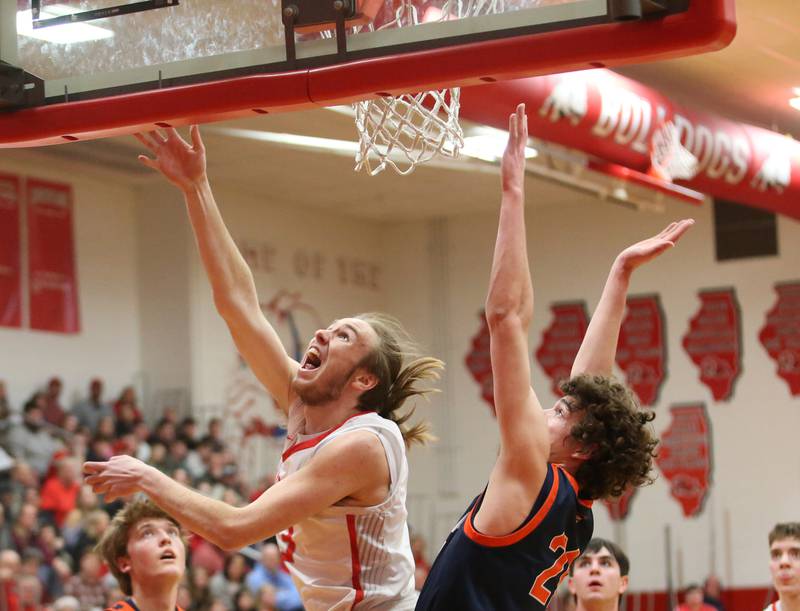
[208,59]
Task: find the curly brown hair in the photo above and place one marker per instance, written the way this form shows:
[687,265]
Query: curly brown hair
[616,431]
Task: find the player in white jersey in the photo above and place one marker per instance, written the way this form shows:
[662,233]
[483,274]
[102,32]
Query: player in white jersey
[339,505]
[784,564]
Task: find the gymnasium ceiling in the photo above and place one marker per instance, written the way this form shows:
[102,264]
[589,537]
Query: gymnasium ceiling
[750,81]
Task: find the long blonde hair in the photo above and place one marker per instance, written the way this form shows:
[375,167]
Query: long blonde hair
[396,379]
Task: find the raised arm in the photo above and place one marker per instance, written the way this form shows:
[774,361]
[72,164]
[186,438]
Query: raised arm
[599,346]
[524,442]
[344,468]
[231,280]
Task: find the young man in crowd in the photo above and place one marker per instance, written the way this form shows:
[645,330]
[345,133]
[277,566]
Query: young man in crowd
[145,550]
[599,577]
[784,565]
[534,518]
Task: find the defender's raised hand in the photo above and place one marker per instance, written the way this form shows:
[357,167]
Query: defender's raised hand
[513,165]
[180,163]
[647,250]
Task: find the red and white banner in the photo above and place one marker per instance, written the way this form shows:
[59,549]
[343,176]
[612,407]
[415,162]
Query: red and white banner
[479,361]
[713,341]
[780,335]
[619,507]
[10,266]
[616,119]
[641,350]
[685,456]
[561,341]
[52,283]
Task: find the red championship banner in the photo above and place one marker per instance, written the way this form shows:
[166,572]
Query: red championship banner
[619,507]
[52,283]
[684,456]
[713,341]
[641,351]
[479,361]
[10,275]
[562,340]
[780,335]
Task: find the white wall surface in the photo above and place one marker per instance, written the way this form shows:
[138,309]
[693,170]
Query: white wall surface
[106,266]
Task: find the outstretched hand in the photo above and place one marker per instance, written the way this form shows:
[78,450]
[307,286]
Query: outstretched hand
[118,477]
[513,165]
[647,250]
[181,163]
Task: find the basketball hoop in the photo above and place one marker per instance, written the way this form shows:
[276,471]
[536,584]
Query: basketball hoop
[669,159]
[405,131]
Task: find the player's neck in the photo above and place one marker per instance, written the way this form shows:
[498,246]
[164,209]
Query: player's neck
[598,605]
[790,602]
[320,418]
[155,596]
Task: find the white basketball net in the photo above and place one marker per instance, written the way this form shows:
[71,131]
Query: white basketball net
[410,129]
[669,159]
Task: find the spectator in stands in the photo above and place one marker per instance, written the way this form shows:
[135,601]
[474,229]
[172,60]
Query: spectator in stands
[712,592]
[59,493]
[421,565]
[269,571]
[25,532]
[784,565]
[214,435]
[199,590]
[693,599]
[145,551]
[187,430]
[245,601]
[92,409]
[67,603]
[9,573]
[87,586]
[95,524]
[126,420]
[30,441]
[53,410]
[142,433]
[30,593]
[267,598]
[225,584]
[128,397]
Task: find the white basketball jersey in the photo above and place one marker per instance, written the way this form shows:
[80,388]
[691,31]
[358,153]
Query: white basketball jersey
[352,557]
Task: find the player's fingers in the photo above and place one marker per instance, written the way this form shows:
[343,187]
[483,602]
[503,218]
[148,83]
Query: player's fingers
[150,163]
[197,141]
[667,229]
[147,142]
[512,129]
[679,230]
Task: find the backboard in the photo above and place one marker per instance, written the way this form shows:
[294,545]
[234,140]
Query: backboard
[80,69]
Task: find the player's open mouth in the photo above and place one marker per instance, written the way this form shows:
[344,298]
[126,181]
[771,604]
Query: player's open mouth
[312,359]
[595,584]
[168,555]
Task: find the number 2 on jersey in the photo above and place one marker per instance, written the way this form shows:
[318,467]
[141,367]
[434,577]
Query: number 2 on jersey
[539,590]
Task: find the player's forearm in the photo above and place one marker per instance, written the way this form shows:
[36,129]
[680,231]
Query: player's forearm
[230,277]
[599,346]
[211,519]
[510,289]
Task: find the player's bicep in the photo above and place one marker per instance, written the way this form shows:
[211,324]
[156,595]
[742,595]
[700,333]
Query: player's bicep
[340,470]
[262,349]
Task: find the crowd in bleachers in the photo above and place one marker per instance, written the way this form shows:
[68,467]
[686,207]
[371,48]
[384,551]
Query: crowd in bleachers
[50,522]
